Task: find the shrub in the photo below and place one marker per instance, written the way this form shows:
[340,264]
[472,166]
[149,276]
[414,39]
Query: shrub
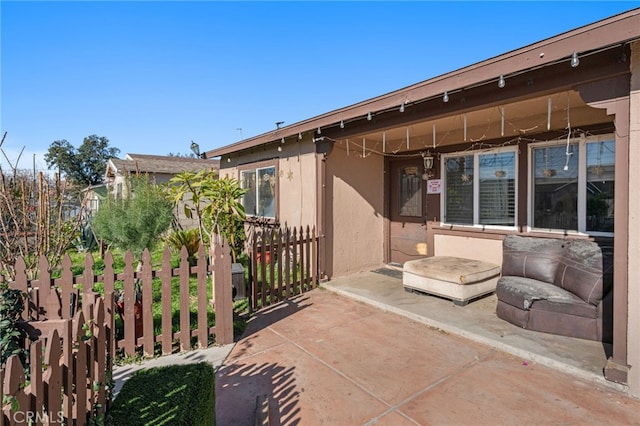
[136,221]
[189,238]
[173,395]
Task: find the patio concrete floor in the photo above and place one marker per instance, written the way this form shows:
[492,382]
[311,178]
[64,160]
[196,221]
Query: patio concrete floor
[407,359]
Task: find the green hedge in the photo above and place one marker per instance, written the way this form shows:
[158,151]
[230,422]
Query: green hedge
[173,395]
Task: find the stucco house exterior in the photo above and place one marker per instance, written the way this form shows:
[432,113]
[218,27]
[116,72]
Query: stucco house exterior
[159,168]
[541,141]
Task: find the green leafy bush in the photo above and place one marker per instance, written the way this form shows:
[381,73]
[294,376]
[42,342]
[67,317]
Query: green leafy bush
[173,395]
[11,305]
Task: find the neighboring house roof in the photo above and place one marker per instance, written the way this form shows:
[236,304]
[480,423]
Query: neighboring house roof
[158,164]
[616,30]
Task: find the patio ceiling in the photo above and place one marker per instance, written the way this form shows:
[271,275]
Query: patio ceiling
[520,119]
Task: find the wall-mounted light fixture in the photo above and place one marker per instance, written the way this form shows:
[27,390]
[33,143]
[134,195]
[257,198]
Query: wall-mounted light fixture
[575,61]
[195,148]
[427,159]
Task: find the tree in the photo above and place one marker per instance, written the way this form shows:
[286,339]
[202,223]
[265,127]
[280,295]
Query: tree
[137,221]
[214,202]
[84,166]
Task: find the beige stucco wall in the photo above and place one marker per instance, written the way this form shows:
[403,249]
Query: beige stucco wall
[355,195]
[482,249]
[633,324]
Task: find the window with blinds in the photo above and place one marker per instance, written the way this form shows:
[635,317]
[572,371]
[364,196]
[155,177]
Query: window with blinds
[480,188]
[496,189]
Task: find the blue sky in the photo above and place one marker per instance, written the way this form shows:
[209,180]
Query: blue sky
[153,75]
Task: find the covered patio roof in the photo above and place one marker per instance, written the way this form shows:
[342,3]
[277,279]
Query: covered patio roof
[535,69]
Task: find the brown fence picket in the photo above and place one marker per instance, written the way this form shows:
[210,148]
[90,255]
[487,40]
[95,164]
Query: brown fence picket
[221,260]
[201,274]
[109,303]
[165,300]
[100,356]
[185,330]
[36,387]
[52,378]
[79,361]
[280,257]
[308,264]
[263,269]
[294,278]
[66,373]
[146,276]
[129,300]
[288,261]
[314,258]
[14,386]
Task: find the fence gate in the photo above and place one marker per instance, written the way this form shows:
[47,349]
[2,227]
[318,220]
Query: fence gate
[284,263]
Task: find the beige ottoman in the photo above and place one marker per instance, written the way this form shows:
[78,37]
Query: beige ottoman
[455,278]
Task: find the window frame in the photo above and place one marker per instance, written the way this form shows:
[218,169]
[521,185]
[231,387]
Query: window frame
[582,141]
[476,187]
[255,167]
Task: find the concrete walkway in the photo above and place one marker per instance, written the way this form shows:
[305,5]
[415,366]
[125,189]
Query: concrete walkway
[214,355]
[325,359]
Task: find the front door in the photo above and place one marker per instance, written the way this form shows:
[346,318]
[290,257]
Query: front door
[407,195]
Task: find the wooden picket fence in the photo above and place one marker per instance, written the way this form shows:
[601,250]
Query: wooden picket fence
[56,309]
[284,263]
[69,373]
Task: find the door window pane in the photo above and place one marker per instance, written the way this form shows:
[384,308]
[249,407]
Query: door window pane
[410,192]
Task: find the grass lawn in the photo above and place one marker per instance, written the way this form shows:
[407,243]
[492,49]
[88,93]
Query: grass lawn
[173,395]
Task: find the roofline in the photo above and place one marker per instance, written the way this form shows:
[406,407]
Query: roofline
[617,29]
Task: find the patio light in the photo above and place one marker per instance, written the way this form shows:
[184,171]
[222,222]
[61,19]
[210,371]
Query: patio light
[501,81]
[574,60]
[445,97]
